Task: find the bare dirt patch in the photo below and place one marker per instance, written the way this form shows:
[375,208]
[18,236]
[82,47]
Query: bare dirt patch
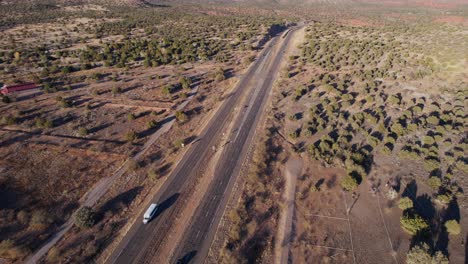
[293,168]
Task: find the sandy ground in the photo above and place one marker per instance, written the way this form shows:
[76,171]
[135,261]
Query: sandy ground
[100,188]
[292,170]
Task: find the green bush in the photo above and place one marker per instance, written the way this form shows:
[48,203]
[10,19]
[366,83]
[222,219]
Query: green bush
[8,120]
[413,224]
[85,217]
[433,120]
[420,254]
[10,251]
[431,164]
[40,220]
[152,124]
[116,90]
[131,116]
[443,198]
[349,183]
[152,174]
[398,129]
[181,116]
[405,203]
[434,182]
[82,131]
[453,227]
[131,136]
[428,140]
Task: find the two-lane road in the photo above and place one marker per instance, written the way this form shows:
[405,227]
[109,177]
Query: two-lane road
[142,241]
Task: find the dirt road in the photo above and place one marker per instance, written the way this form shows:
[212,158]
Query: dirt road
[292,170]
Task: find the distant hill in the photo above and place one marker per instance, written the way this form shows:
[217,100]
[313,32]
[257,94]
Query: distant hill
[429,3]
[393,3]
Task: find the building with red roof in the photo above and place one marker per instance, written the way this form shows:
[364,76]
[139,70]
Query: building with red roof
[8,89]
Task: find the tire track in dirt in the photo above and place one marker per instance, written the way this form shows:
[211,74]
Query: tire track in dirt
[293,169]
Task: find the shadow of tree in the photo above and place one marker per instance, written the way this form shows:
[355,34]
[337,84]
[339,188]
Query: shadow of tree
[166,204]
[187,257]
[118,202]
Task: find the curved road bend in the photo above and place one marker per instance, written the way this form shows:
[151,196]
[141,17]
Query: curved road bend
[141,242]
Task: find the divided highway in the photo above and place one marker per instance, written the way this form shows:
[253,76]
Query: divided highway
[142,241]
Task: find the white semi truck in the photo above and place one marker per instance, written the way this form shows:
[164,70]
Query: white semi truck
[150,213]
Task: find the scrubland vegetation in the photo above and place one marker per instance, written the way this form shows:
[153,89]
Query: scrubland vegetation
[381,108]
[373,101]
[360,97]
[111,76]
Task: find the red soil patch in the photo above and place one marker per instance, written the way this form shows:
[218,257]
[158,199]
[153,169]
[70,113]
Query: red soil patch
[434,4]
[356,22]
[452,20]
[427,3]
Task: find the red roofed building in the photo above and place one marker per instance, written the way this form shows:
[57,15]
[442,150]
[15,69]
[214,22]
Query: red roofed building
[17,88]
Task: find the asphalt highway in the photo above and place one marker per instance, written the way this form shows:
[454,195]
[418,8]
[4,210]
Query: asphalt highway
[142,241]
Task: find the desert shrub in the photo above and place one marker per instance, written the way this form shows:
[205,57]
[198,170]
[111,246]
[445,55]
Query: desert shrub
[433,120]
[40,220]
[434,182]
[398,129]
[85,217]
[152,174]
[420,254]
[461,165]
[90,250]
[53,256]
[23,217]
[168,89]
[152,124]
[8,120]
[349,183]
[133,165]
[443,198]
[412,127]
[373,141]
[48,123]
[428,140]
[405,203]
[294,134]
[431,164]
[185,82]
[181,116]
[413,224]
[387,149]
[453,227]
[131,136]
[131,116]
[391,194]
[178,143]
[6,99]
[219,75]
[62,102]
[116,90]
[39,122]
[300,91]
[393,99]
[9,250]
[82,131]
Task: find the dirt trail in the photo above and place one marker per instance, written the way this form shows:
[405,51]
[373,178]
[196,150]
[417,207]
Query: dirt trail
[292,170]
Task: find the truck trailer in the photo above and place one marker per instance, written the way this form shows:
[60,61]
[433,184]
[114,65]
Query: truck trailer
[150,213]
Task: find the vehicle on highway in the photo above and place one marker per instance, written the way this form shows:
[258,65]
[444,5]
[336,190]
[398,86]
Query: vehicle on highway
[150,213]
